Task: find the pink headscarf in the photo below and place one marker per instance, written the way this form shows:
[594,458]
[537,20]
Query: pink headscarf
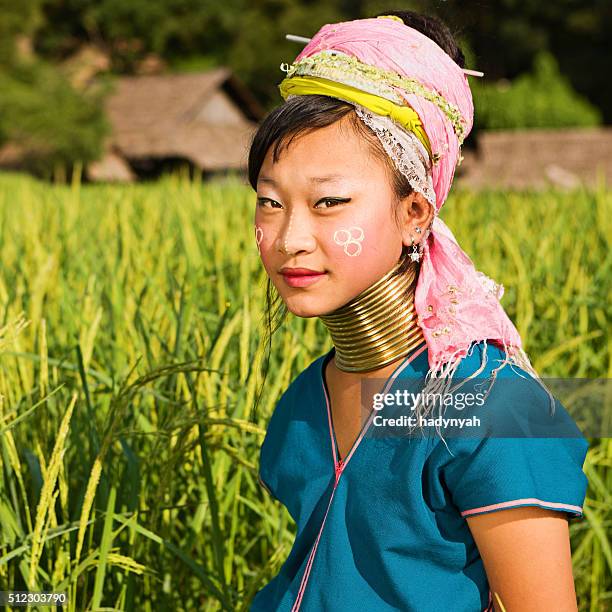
[394,46]
[456,304]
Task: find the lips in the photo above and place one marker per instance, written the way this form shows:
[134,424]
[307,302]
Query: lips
[296,272]
[300,278]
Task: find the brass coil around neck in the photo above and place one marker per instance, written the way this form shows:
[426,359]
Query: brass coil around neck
[378,326]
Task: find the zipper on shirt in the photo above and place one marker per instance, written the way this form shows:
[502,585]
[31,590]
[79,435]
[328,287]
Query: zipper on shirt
[298,602]
[339,467]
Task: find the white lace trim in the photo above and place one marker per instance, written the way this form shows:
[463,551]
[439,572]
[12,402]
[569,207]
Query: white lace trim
[405,149]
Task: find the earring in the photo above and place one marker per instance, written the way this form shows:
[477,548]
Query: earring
[417,229]
[415,255]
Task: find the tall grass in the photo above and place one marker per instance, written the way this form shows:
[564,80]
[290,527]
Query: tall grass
[130,350]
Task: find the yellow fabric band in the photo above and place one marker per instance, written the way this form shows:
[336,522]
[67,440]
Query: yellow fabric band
[391,17]
[404,115]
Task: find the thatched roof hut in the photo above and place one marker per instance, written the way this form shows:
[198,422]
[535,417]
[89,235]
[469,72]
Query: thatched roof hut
[205,118]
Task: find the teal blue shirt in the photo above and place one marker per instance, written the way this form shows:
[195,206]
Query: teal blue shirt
[386,530]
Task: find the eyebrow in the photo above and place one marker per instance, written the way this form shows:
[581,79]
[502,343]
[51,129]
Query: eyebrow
[313,179]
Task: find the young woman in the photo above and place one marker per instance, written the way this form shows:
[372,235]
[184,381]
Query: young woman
[350,174]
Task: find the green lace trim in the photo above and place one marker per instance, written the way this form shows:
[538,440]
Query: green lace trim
[334,65]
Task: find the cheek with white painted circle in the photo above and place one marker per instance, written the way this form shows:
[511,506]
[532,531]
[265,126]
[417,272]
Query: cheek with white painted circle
[350,239]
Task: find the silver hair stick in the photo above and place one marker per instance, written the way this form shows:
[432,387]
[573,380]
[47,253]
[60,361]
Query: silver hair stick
[305,41]
[475,73]
[300,39]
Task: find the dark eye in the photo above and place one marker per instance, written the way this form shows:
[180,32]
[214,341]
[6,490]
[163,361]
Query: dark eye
[263,201]
[333,201]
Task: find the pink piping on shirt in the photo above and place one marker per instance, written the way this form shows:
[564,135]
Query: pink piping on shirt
[527,500]
[339,465]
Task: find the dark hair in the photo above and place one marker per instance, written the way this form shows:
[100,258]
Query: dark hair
[303,114]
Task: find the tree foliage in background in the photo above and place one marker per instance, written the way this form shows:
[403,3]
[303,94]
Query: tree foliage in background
[543,98]
[505,36]
[249,36]
[41,114]
[52,123]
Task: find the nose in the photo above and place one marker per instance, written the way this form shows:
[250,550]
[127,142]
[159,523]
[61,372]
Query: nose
[296,235]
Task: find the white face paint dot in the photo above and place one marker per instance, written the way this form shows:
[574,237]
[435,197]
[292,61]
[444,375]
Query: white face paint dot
[288,231]
[350,239]
[258,237]
[341,236]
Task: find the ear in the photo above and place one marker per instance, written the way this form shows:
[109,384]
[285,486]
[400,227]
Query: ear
[416,211]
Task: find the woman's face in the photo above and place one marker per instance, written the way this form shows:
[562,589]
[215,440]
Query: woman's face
[326,205]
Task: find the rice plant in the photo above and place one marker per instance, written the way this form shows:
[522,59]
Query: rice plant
[130,357]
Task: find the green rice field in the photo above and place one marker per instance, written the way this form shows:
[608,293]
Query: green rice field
[131,346]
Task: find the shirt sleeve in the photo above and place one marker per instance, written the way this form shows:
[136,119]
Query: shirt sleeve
[498,473]
[530,456]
